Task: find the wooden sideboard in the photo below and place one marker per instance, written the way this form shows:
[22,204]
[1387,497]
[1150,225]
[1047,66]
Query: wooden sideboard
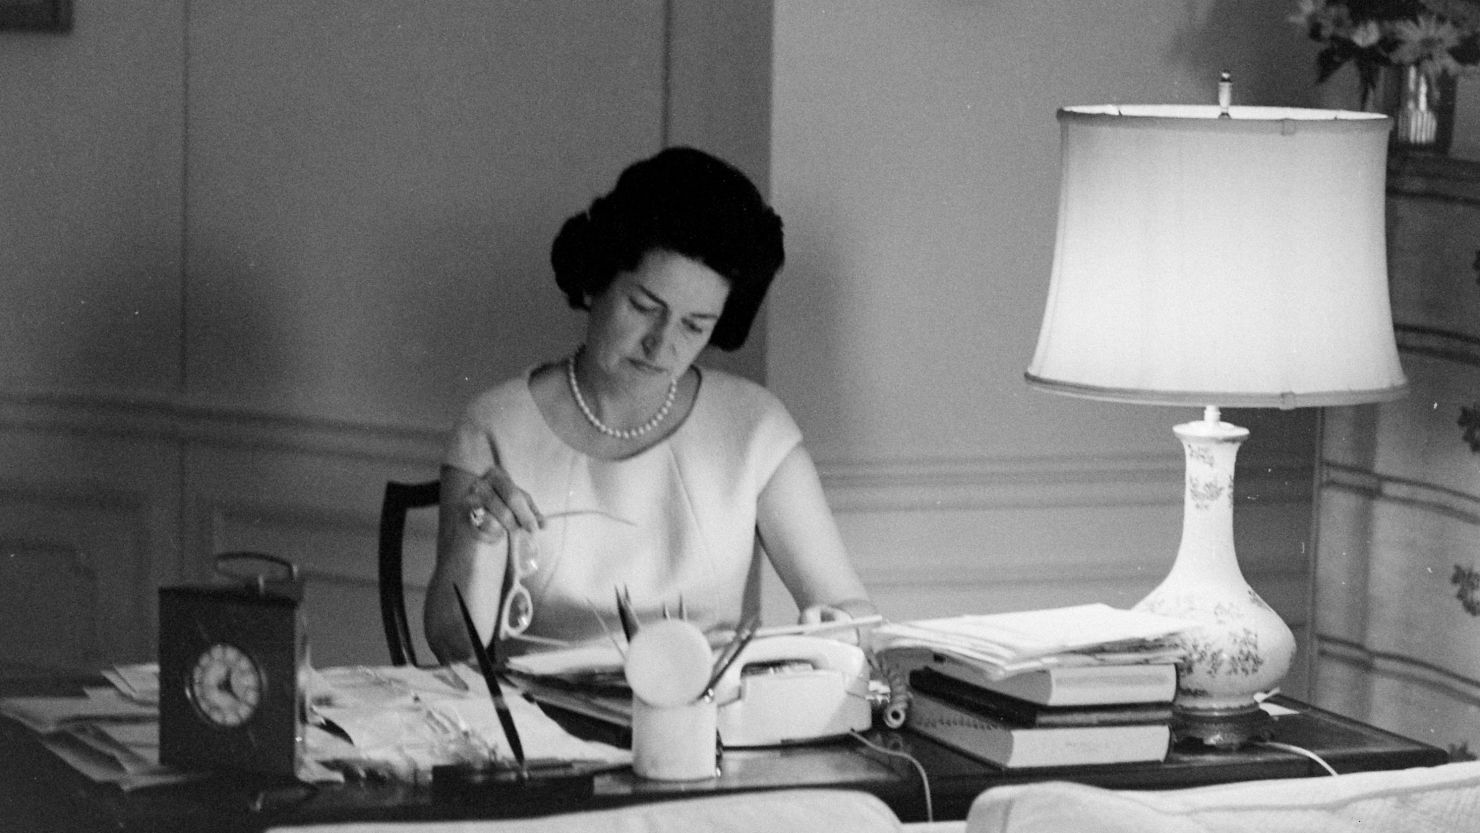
[1397,573]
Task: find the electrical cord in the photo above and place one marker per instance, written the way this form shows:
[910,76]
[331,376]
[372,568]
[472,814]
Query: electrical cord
[1299,750]
[924,779]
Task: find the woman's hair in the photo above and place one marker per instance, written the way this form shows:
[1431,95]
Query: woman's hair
[683,201]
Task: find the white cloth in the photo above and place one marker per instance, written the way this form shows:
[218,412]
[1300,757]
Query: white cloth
[1443,799]
[784,811]
[691,499]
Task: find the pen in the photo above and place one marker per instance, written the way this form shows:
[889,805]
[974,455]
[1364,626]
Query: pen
[823,627]
[590,605]
[624,613]
[485,664]
[728,656]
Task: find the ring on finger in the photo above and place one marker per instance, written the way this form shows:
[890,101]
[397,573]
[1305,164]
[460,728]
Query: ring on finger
[477,515]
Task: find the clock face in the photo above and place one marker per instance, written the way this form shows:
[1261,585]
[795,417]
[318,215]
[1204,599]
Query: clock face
[229,663]
[226,685]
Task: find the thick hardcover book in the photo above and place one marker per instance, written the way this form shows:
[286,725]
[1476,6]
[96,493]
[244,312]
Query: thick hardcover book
[1015,747]
[1023,713]
[1073,685]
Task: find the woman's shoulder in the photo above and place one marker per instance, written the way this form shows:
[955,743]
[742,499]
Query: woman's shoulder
[733,388]
[745,424]
[743,403]
[733,385]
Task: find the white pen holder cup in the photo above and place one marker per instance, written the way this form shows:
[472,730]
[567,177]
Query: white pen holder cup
[674,743]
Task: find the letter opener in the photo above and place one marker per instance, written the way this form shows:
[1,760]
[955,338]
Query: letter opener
[485,664]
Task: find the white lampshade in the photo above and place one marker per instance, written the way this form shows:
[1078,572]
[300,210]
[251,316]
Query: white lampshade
[1236,260]
[1220,256]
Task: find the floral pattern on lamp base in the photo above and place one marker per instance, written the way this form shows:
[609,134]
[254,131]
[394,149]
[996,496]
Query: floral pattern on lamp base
[1224,666]
[1241,647]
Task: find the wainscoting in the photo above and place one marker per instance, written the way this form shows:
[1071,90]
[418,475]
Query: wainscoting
[939,538]
[105,499]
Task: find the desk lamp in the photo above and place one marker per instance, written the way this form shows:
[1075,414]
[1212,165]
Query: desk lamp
[1219,256]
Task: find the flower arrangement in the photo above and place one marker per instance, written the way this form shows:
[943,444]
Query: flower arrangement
[1440,37]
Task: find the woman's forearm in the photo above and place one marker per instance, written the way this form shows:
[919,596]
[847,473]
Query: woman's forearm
[466,561]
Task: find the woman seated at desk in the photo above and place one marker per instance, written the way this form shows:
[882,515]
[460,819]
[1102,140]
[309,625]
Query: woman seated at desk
[626,466]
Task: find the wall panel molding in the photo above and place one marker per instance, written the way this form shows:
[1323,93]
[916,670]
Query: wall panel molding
[165,417]
[143,489]
[933,536]
[77,570]
[984,483]
[328,542]
[852,485]
[928,534]
[66,630]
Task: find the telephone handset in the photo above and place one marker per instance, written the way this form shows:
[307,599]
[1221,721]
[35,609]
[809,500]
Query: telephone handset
[792,689]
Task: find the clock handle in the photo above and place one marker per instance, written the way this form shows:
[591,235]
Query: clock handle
[259,579]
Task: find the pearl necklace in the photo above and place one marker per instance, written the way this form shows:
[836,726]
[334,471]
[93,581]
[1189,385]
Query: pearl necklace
[618,433]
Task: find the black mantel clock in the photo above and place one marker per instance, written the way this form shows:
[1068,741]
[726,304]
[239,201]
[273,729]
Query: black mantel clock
[230,655]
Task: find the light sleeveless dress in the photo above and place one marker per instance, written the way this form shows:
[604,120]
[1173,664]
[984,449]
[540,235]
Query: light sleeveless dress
[691,500]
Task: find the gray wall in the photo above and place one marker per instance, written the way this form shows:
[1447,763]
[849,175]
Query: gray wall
[257,255]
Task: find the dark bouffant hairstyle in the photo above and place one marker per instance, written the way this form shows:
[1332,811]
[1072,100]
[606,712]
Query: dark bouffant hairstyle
[683,201]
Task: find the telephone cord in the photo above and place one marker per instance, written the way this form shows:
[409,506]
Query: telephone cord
[894,702]
[924,779]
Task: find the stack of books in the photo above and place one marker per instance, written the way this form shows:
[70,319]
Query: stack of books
[1068,716]
[1062,687]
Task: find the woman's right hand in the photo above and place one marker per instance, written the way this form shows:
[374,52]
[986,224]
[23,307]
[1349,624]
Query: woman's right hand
[493,503]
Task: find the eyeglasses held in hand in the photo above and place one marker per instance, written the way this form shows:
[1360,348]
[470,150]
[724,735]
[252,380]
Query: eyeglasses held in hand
[517,611]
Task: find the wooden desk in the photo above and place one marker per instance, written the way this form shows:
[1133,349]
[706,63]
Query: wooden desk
[39,792]
[1348,746]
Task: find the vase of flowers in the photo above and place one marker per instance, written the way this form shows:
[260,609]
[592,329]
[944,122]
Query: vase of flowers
[1408,55]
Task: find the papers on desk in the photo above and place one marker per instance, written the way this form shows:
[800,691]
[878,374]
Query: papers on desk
[404,720]
[1004,644]
[51,714]
[105,735]
[397,721]
[139,683]
[123,754]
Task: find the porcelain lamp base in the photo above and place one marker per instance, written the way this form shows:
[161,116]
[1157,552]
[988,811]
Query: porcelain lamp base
[1241,648]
